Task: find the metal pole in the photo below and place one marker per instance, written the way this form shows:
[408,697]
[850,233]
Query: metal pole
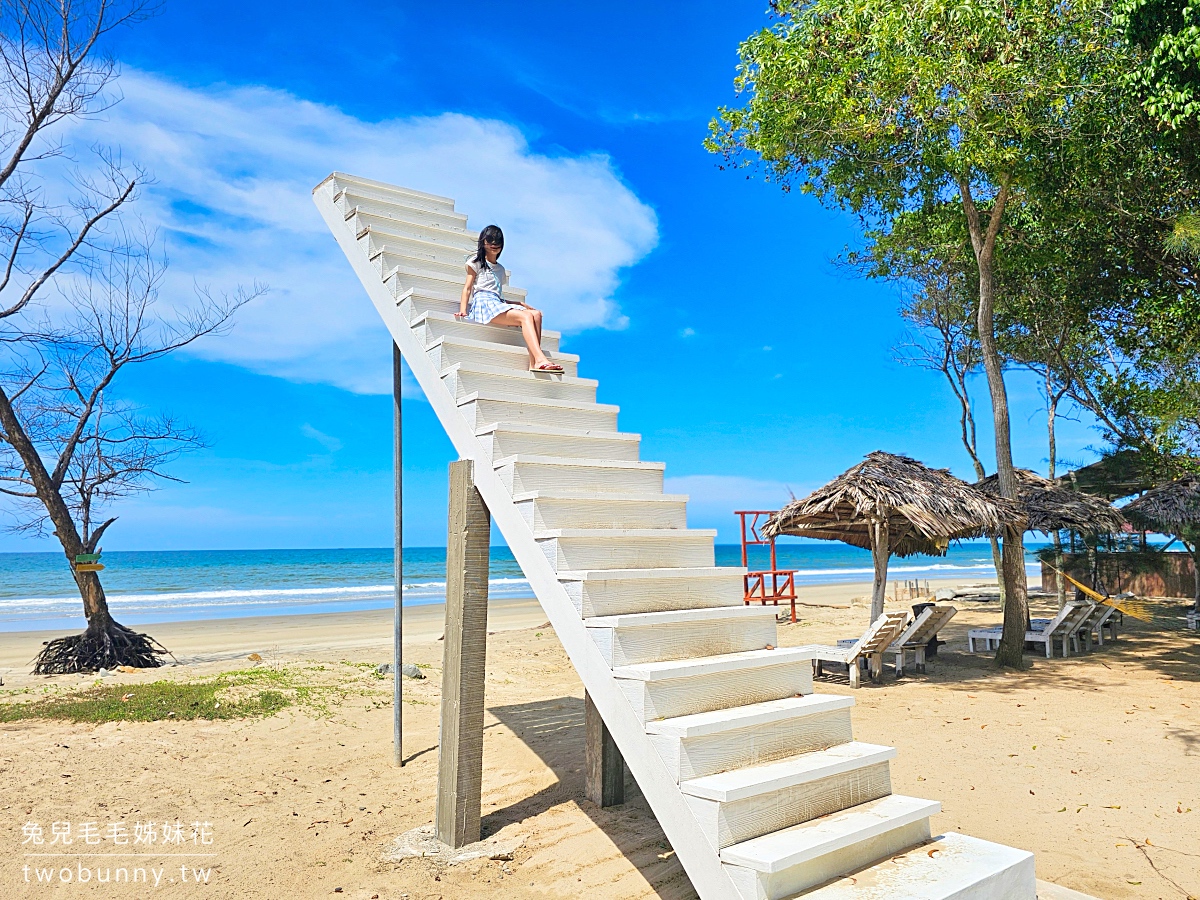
[398,550]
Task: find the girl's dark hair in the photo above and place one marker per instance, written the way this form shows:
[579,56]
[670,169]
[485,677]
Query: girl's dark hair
[490,235]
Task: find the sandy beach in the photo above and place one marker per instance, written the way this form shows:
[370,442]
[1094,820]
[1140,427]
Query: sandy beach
[1089,762]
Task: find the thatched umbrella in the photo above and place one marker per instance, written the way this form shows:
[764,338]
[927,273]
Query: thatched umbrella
[1050,507]
[1173,508]
[891,504]
[1054,506]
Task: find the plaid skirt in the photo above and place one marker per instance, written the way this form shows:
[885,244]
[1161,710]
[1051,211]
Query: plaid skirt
[485,306]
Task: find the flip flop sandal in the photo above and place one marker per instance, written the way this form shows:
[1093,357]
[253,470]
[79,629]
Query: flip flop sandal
[548,368]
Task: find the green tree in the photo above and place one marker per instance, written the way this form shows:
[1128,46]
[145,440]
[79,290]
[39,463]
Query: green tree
[1097,296]
[884,109]
[1168,78]
[78,304]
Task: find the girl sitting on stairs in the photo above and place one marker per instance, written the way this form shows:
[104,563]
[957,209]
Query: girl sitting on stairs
[482,301]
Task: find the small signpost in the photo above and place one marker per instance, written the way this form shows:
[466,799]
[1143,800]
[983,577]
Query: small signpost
[88,562]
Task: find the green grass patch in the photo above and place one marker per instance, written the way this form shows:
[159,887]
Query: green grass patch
[233,695]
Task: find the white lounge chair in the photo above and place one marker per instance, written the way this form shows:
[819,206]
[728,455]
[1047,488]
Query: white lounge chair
[870,647]
[917,636]
[1061,628]
[1103,616]
[989,637]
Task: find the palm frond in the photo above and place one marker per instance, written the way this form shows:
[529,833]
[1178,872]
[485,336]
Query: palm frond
[1184,238]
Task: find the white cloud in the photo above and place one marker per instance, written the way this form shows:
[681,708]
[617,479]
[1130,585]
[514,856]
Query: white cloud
[328,441]
[234,169]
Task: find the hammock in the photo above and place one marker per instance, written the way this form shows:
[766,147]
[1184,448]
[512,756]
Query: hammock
[1129,606]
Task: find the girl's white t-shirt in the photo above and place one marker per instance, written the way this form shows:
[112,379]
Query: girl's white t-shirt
[490,278]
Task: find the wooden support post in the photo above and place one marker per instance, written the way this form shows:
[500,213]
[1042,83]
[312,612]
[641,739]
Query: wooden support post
[460,748]
[880,551]
[398,562]
[602,760]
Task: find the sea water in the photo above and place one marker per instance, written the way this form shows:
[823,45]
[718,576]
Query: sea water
[36,589]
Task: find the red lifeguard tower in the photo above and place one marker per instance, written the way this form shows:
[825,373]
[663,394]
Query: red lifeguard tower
[769,585]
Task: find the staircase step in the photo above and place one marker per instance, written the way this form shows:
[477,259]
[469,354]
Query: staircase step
[682,616]
[755,781]
[626,548]
[950,867]
[786,862]
[712,742]
[755,715]
[523,473]
[448,351]
[549,510]
[353,200]
[401,273]
[449,246]
[438,295]
[663,690]
[740,804]
[430,326]
[679,634]
[392,193]
[379,235]
[547,440]
[414,303]
[464,379]
[607,592]
[435,294]
[391,254]
[723,664]
[485,408]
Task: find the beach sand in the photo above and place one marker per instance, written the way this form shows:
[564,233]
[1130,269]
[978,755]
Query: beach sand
[1089,762]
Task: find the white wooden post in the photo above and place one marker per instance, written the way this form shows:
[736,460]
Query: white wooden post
[880,550]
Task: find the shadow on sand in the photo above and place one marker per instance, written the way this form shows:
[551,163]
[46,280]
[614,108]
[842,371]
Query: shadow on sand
[553,729]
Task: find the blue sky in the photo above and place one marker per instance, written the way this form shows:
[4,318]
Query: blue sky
[704,301]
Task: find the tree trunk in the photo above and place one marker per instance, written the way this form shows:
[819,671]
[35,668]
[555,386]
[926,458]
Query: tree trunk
[1052,398]
[1060,583]
[983,241]
[105,643]
[880,551]
[95,604]
[1016,608]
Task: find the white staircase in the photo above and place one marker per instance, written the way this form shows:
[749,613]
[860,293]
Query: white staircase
[756,781]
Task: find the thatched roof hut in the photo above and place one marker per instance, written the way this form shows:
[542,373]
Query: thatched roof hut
[1172,508]
[1051,507]
[1112,477]
[892,504]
